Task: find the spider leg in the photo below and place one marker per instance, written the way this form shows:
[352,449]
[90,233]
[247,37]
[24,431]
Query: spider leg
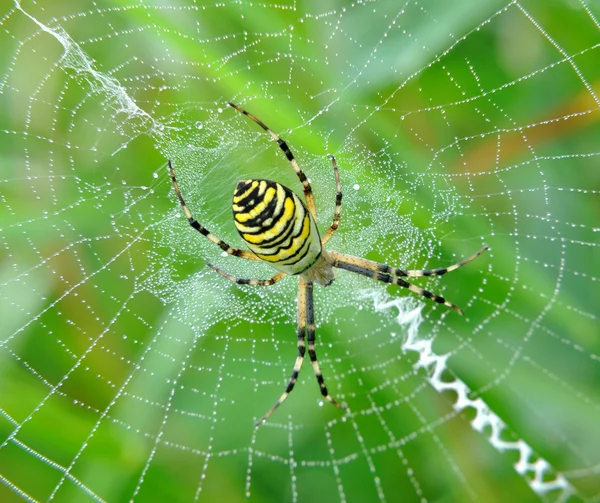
[306,325]
[308,195]
[305,292]
[338,204]
[373,266]
[441,270]
[252,282]
[301,331]
[203,230]
[382,272]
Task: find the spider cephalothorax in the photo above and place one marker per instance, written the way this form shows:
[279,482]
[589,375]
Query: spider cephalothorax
[281,230]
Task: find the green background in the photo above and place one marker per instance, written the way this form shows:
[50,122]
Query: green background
[130,371]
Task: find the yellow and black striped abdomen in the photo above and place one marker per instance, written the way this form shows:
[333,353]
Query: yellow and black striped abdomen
[276,225]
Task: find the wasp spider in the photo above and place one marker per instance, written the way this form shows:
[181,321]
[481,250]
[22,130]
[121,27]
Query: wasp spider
[281,229]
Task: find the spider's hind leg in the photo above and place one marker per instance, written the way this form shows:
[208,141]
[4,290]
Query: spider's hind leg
[252,282]
[306,325]
[293,378]
[305,290]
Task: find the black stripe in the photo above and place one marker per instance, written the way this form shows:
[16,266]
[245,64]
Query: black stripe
[264,215]
[298,255]
[310,313]
[401,282]
[387,268]
[199,228]
[285,148]
[256,222]
[398,272]
[386,278]
[287,230]
[252,194]
[313,263]
[278,250]
[293,379]
[281,237]
[434,272]
[275,241]
[354,268]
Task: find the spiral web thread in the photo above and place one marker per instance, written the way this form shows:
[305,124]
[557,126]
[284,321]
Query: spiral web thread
[206,327]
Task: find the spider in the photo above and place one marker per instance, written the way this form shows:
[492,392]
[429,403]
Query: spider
[281,229]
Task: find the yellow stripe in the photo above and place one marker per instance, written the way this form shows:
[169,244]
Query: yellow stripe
[297,243]
[281,200]
[288,214]
[237,199]
[259,208]
[296,221]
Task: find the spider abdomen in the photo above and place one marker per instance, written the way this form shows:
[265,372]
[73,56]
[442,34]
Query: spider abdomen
[276,225]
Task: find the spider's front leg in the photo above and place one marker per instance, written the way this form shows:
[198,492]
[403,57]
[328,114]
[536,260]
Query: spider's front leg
[338,204]
[387,274]
[434,272]
[308,195]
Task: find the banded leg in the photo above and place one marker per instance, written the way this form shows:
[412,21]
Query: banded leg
[305,292]
[355,264]
[301,332]
[308,195]
[373,266]
[203,230]
[441,270]
[338,204]
[252,282]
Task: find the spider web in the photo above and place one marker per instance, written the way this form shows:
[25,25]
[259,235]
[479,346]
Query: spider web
[130,371]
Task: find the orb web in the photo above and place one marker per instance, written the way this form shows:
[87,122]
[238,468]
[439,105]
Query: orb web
[130,371]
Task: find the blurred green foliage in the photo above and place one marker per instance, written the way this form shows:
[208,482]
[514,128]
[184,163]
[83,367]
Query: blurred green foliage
[127,371]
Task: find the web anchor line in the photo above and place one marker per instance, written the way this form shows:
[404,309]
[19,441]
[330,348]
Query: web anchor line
[540,475]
